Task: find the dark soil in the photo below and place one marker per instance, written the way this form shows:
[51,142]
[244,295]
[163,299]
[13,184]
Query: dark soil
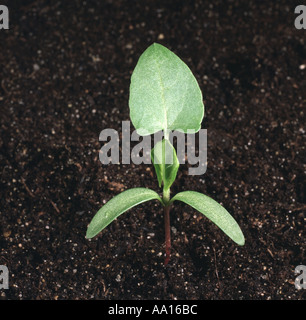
[65,71]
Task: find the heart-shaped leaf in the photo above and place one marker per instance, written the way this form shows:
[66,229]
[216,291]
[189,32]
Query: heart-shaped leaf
[165,162]
[117,205]
[214,212]
[164,94]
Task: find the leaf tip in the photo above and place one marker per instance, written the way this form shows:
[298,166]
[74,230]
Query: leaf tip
[241,240]
[88,236]
[90,233]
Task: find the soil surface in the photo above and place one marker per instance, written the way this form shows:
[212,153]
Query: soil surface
[65,72]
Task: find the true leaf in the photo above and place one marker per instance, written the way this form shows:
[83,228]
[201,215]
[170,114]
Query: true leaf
[165,162]
[164,94]
[214,212]
[118,205]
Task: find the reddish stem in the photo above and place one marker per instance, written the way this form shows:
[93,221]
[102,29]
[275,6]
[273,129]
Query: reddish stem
[167,233]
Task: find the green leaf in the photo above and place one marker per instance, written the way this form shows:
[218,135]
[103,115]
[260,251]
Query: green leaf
[213,211]
[164,94]
[165,162]
[118,205]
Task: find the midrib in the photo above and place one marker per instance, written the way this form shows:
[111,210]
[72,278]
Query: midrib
[162,96]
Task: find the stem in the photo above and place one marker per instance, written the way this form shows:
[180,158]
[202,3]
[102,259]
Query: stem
[167,233]
[166,199]
[166,196]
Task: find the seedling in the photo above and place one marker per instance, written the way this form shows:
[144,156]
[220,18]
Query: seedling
[164,95]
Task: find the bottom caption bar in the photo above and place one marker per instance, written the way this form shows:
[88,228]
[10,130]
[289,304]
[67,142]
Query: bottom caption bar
[152,308]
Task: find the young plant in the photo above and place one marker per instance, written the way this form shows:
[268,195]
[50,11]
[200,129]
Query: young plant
[164,95]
